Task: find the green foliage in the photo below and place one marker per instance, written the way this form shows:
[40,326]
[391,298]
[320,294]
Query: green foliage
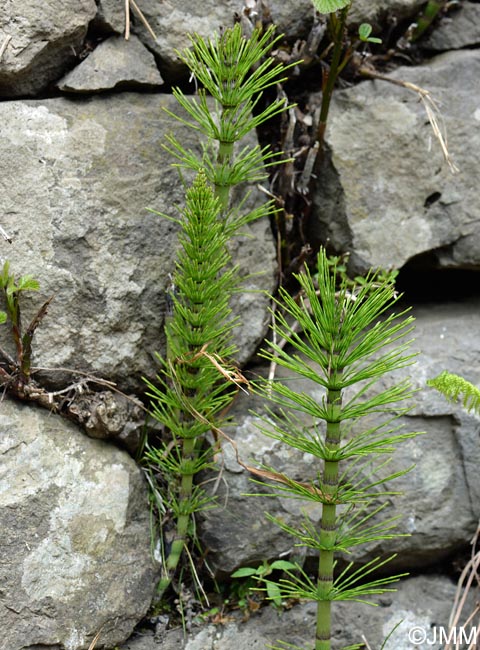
[337,28]
[258,581]
[454,387]
[11,291]
[198,333]
[329,6]
[425,19]
[349,339]
[342,52]
[364,32]
[22,338]
[338,265]
[197,379]
[234,71]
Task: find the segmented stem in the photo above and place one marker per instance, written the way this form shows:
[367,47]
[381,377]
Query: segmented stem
[328,524]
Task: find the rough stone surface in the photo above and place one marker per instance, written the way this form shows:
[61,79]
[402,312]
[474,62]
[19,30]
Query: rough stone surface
[109,415]
[376,12]
[45,39]
[78,178]
[440,506]
[110,16]
[394,196]
[114,64]
[458,29]
[75,542]
[421,603]
[172,23]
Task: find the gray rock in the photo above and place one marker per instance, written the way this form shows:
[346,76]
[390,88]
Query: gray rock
[377,11]
[422,604]
[78,179]
[458,29]
[114,64]
[172,23]
[110,16]
[75,543]
[43,42]
[395,197]
[439,507]
[109,415]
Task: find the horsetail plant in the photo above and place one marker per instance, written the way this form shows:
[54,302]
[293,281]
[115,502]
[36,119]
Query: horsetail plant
[455,387]
[348,340]
[198,334]
[197,378]
[234,71]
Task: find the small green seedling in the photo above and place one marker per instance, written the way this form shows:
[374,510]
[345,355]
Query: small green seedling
[18,374]
[364,32]
[257,580]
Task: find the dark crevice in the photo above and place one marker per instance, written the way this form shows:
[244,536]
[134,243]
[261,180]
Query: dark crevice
[423,280]
[432,198]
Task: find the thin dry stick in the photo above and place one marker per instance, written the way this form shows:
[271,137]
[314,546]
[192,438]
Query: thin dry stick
[143,19]
[273,364]
[4,45]
[195,575]
[233,375]
[476,554]
[431,108]
[304,182]
[264,474]
[2,231]
[470,570]
[92,379]
[127,19]
[94,642]
[367,646]
[473,645]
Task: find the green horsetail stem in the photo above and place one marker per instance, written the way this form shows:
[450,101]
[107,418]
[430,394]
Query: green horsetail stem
[340,335]
[192,392]
[328,523]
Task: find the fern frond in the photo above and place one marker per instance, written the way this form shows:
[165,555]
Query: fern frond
[454,387]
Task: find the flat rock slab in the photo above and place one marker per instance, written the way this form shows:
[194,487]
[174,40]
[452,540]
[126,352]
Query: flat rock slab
[43,40]
[115,64]
[75,543]
[439,505]
[421,604]
[396,198]
[78,178]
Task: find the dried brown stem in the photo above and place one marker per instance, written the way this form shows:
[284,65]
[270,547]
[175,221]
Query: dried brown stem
[431,109]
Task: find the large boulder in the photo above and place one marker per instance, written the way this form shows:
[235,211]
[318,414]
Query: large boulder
[391,196]
[75,545]
[41,41]
[172,23]
[40,46]
[440,505]
[421,606]
[78,178]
